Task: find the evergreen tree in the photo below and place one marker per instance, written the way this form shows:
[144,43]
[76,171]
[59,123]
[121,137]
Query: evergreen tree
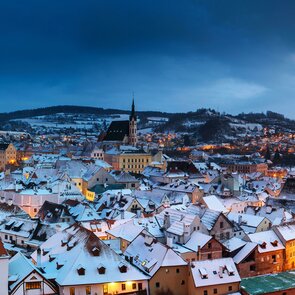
[267,155]
[277,157]
[187,140]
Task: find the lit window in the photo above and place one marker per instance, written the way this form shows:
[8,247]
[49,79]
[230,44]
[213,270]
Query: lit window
[88,290]
[33,285]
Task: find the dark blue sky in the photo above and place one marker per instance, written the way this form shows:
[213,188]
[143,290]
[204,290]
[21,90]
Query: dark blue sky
[234,56]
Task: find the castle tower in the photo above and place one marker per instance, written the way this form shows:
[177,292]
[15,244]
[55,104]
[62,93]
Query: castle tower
[133,126]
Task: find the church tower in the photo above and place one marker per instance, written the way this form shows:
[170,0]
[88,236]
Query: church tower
[133,126]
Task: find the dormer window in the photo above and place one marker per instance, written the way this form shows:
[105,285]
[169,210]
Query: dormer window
[59,265]
[64,242]
[101,269]
[122,267]
[51,258]
[230,270]
[203,273]
[71,245]
[81,270]
[263,245]
[95,251]
[274,243]
[45,251]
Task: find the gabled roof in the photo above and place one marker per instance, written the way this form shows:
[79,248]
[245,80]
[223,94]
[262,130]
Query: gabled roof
[214,203]
[268,239]
[19,268]
[197,239]
[244,252]
[127,231]
[76,247]
[249,222]
[214,272]
[117,131]
[149,255]
[209,218]
[184,166]
[52,212]
[286,231]
[123,177]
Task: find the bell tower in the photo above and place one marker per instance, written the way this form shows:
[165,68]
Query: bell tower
[133,125]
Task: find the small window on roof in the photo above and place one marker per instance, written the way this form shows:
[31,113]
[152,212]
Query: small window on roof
[101,269]
[95,251]
[263,245]
[122,267]
[81,270]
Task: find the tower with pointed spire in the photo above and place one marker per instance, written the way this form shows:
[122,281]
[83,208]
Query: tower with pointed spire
[133,125]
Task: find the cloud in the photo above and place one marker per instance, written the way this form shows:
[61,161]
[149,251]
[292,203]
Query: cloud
[231,88]
[175,55]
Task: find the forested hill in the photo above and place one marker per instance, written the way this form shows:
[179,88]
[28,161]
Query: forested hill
[70,109]
[206,124]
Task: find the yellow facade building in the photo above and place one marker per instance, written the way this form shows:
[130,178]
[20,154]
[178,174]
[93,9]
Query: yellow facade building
[133,160]
[7,155]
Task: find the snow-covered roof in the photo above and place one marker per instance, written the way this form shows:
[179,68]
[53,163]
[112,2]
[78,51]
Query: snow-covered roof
[234,243]
[248,222]
[267,240]
[212,202]
[19,268]
[149,255]
[67,251]
[214,272]
[244,252]
[197,239]
[127,231]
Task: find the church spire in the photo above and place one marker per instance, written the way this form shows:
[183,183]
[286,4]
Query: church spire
[132,115]
[133,125]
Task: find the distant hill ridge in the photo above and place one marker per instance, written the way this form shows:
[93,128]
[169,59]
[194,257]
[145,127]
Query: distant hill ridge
[206,124]
[102,111]
[69,109]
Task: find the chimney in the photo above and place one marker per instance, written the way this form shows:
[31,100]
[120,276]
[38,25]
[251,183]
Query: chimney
[166,220]
[199,252]
[169,242]
[108,200]
[148,240]
[122,213]
[240,219]
[220,272]
[138,213]
[38,257]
